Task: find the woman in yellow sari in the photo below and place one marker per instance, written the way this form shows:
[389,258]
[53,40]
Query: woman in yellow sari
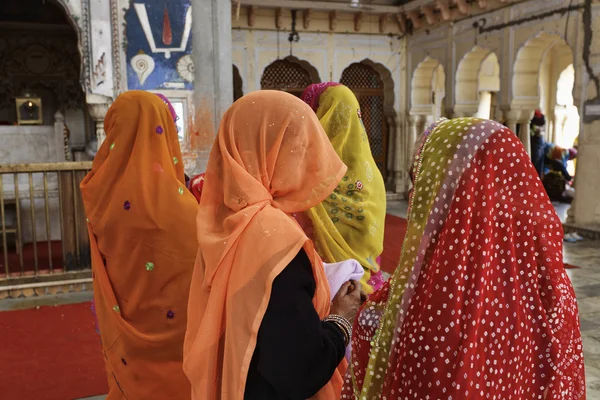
[349,224]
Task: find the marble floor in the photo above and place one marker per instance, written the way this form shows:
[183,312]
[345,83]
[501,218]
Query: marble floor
[586,281]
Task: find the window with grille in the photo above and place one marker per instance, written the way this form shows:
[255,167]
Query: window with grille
[361,76]
[285,75]
[366,84]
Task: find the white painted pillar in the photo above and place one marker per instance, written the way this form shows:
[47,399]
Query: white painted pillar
[524,131]
[59,137]
[415,122]
[98,107]
[213,85]
[511,124]
[524,136]
[400,155]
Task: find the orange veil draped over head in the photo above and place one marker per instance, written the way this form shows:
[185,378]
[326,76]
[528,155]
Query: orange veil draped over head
[271,158]
[142,237]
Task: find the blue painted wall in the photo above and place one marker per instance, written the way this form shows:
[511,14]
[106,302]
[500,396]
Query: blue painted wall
[165,68]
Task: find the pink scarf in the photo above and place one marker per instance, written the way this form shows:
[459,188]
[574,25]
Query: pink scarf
[312,93]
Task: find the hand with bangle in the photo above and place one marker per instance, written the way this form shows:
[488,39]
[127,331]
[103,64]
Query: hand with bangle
[345,306]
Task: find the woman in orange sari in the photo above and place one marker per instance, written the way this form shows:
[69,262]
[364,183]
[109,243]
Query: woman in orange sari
[259,318]
[142,236]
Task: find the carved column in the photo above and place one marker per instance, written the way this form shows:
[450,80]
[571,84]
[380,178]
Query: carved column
[416,123]
[391,148]
[98,112]
[400,155]
[524,131]
[524,136]
[59,141]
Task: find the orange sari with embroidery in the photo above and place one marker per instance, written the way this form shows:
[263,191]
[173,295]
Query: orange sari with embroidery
[142,236]
[271,159]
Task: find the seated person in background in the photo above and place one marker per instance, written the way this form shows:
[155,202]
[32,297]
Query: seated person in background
[556,158]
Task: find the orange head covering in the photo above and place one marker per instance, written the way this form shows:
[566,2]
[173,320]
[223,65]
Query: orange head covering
[142,237]
[271,158]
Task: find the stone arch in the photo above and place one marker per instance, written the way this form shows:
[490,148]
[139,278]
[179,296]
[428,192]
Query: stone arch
[82,37]
[428,88]
[477,72]
[388,84]
[289,74]
[528,62]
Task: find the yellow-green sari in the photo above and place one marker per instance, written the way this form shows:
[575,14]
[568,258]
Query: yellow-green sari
[350,223]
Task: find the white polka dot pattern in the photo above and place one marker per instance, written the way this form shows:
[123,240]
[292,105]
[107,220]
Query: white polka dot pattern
[480,306]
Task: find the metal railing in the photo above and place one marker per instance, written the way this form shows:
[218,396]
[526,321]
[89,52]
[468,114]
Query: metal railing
[42,211]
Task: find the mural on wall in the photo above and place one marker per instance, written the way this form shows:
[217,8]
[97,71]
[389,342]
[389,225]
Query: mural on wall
[158,45]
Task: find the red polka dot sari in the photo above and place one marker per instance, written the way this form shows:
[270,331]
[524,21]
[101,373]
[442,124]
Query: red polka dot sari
[480,306]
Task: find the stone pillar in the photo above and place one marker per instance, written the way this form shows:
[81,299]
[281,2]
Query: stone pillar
[97,107]
[511,124]
[400,156]
[524,136]
[391,148]
[415,128]
[524,131]
[98,112]
[213,85]
[587,188]
[59,134]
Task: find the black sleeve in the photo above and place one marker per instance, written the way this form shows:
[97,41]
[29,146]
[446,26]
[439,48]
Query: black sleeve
[298,353]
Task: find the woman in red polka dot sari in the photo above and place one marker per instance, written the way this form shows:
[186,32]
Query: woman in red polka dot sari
[480,305]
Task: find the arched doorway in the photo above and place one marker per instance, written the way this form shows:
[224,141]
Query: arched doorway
[477,83]
[428,89]
[367,85]
[238,84]
[290,75]
[537,70]
[41,58]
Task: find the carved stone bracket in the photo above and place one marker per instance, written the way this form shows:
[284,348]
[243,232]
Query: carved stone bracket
[307,16]
[358,20]
[279,18]
[251,15]
[332,20]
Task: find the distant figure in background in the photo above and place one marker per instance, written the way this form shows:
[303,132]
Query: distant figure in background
[556,158]
[538,143]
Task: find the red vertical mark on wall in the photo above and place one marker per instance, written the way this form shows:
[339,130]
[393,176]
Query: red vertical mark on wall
[203,133]
[167,34]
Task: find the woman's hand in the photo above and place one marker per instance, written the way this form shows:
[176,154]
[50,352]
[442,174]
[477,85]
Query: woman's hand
[347,301]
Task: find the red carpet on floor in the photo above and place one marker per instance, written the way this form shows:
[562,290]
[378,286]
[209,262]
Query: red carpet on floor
[53,353]
[14,266]
[395,228]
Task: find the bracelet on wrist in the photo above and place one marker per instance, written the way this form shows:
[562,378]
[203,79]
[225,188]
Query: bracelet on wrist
[343,324]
